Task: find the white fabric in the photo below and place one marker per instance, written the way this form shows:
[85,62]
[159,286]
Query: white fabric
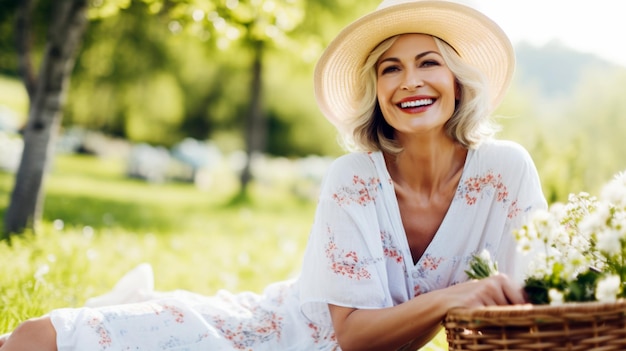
[135,286]
[357,256]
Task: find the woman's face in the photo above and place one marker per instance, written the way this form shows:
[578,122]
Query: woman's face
[415,88]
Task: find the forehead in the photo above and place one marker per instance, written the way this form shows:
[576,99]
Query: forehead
[411,44]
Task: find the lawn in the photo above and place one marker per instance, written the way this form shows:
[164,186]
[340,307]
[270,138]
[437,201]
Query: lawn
[98,224]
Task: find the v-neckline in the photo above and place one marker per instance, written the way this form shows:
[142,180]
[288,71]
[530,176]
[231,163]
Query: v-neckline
[398,218]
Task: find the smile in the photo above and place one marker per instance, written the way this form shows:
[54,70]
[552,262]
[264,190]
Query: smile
[416,103]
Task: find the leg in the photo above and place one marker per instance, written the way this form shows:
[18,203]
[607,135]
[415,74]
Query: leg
[32,335]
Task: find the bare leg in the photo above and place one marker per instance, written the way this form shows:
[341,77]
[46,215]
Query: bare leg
[33,335]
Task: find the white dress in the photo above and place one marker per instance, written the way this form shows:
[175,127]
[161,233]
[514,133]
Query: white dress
[357,256]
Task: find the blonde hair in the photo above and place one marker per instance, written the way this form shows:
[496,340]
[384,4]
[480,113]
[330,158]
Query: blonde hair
[469,125]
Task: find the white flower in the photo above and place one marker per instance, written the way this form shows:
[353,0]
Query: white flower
[556,297]
[574,262]
[558,211]
[485,255]
[609,242]
[594,222]
[608,288]
[615,190]
[584,232]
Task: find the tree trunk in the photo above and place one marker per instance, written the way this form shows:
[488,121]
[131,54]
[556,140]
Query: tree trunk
[47,96]
[256,128]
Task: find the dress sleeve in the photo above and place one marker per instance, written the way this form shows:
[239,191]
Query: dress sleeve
[529,197]
[343,261]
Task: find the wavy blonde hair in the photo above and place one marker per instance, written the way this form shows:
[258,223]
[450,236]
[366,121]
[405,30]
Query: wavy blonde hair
[469,125]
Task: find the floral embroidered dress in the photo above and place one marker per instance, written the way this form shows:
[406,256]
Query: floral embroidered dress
[357,256]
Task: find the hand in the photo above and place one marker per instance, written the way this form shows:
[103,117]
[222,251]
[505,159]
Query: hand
[494,290]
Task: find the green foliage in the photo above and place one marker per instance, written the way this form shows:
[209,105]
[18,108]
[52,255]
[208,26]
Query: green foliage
[481,266]
[580,289]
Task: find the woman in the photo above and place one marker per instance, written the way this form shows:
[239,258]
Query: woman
[411,85]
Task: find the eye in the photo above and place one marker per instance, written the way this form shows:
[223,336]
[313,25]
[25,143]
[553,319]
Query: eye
[429,63]
[389,69]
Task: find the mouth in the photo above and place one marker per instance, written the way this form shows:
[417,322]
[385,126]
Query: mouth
[415,103]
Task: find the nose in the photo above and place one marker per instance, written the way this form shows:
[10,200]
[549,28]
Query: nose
[412,80]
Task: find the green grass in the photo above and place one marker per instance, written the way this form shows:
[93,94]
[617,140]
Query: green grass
[98,224]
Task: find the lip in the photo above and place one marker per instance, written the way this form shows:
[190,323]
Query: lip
[416,103]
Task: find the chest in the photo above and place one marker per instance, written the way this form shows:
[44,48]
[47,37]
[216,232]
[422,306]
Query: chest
[421,221]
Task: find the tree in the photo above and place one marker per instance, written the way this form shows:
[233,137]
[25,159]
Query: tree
[254,24]
[46,91]
[259,24]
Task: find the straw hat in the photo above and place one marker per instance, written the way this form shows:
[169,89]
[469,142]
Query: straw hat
[476,38]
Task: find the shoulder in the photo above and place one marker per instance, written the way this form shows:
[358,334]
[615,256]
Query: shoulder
[354,167]
[504,158]
[361,163]
[503,154]
[503,147]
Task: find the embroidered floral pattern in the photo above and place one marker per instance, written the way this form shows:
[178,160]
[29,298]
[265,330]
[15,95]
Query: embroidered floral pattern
[245,334]
[179,316]
[417,290]
[427,269]
[318,336]
[104,338]
[361,191]
[347,263]
[390,249]
[428,263]
[474,188]
[513,210]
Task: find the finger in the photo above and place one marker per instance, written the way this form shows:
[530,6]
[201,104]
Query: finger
[513,292]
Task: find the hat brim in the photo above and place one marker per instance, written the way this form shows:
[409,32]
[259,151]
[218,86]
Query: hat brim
[475,37]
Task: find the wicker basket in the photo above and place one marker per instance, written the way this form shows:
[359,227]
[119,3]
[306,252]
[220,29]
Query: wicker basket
[573,326]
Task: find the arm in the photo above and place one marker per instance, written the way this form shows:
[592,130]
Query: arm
[419,318]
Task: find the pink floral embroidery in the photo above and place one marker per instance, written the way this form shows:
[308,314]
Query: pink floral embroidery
[430,263]
[417,290]
[317,335]
[244,335]
[104,337]
[362,191]
[513,210]
[178,315]
[475,187]
[390,250]
[346,263]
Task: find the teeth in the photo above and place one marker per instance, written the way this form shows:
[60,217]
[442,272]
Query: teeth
[416,103]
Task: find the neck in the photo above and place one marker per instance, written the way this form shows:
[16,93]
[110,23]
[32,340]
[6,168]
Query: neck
[427,167]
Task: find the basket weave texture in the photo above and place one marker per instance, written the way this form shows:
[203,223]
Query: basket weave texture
[592,326]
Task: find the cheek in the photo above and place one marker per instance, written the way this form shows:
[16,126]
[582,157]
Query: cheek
[385,88]
[380,90]
[449,87]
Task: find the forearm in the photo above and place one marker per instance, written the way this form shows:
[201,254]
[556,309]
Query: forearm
[392,327]
[415,321]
